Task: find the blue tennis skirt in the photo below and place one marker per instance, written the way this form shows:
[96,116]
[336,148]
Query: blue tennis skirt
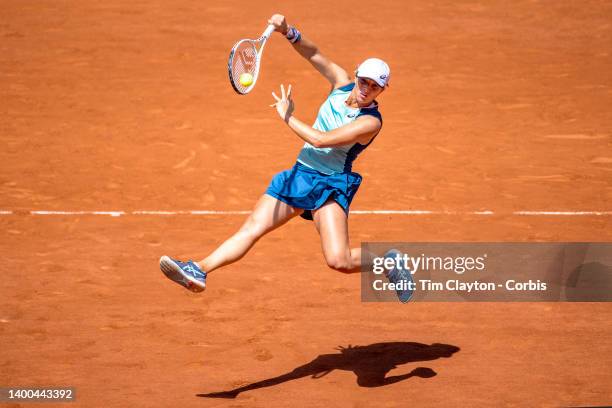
[306,188]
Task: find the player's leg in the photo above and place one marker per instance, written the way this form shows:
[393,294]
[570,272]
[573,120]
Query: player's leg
[269,214]
[332,223]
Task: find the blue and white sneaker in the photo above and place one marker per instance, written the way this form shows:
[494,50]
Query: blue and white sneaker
[401,277]
[187,274]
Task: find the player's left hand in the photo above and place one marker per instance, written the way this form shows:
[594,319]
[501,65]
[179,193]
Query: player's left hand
[284,104]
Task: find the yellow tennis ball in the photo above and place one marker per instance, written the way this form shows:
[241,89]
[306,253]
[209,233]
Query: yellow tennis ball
[246,79]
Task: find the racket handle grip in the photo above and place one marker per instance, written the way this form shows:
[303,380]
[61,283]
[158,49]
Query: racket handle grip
[269,31]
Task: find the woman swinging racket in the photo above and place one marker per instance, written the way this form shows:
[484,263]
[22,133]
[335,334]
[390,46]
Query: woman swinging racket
[321,185]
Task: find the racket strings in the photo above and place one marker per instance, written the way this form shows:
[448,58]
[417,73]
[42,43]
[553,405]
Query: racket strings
[244,60]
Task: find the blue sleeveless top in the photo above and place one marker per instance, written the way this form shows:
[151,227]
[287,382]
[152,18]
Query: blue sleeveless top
[333,114]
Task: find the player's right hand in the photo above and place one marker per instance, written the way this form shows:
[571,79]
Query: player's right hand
[280,23]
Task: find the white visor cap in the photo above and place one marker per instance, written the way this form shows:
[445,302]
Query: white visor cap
[376,70]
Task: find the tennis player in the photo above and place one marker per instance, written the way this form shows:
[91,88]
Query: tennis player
[321,184]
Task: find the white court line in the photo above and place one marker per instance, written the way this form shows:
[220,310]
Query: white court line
[562,212]
[397,212]
[484,212]
[421,212]
[355,212]
[111,213]
[194,212]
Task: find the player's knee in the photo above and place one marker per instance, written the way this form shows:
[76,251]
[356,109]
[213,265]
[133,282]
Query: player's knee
[339,262]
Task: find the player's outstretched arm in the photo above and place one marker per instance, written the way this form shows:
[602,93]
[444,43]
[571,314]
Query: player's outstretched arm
[336,76]
[361,130]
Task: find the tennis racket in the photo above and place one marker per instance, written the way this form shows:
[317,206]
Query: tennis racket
[245,58]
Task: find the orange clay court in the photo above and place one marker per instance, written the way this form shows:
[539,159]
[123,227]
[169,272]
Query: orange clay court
[126,106]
